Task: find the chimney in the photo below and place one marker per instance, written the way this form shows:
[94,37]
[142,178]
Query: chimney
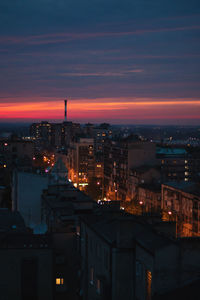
[65,110]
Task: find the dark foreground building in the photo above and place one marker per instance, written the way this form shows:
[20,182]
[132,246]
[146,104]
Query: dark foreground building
[26,261]
[125,257]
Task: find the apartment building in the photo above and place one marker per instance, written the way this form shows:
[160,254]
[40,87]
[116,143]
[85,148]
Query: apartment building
[119,158]
[126,258]
[181,202]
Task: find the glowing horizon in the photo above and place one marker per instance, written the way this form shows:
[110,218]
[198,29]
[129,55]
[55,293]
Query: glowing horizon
[122,109]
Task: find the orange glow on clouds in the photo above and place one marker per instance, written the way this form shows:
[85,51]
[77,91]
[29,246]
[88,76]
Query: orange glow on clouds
[109,108]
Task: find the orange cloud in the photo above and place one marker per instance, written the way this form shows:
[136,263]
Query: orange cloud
[121,108]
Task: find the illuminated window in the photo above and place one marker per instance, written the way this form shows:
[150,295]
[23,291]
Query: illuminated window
[59,281]
[98,166]
[98,286]
[148,284]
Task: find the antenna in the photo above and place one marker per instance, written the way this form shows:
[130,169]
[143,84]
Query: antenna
[65,110]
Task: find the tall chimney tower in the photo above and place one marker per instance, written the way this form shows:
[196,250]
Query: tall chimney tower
[65,110]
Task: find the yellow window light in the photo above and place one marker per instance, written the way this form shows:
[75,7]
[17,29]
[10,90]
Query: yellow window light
[59,281]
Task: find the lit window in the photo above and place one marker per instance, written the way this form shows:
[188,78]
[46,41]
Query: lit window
[98,166]
[148,284]
[98,286]
[59,281]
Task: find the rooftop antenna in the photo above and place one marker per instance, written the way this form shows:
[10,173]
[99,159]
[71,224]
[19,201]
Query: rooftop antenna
[65,110]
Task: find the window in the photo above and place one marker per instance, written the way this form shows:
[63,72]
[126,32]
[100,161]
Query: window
[92,275]
[78,230]
[59,281]
[98,286]
[148,284]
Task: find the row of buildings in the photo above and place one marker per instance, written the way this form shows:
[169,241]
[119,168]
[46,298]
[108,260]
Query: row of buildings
[59,135]
[131,170]
[97,251]
[135,171]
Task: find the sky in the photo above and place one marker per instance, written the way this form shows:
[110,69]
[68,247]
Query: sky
[122,62]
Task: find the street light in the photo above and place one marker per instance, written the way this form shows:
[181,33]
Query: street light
[174,215]
[142,206]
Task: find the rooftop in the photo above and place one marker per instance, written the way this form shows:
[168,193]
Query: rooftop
[122,230]
[171,151]
[185,186]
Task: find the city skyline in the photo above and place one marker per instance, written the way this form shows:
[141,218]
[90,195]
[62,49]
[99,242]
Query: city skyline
[123,63]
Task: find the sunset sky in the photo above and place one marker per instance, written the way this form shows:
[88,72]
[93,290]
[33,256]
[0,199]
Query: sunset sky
[123,62]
